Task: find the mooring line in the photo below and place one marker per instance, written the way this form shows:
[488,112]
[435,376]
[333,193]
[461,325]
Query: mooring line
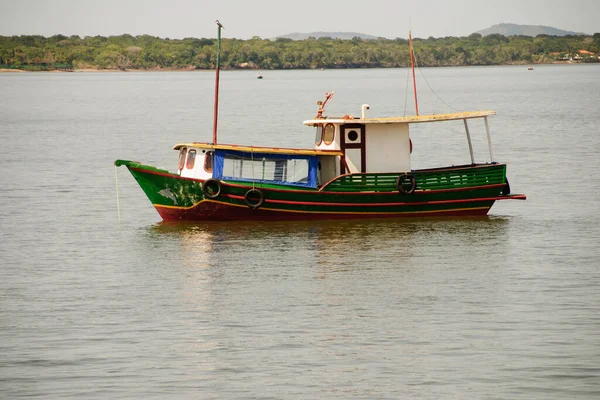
[118,207]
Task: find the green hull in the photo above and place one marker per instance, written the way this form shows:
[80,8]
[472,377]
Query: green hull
[464,190]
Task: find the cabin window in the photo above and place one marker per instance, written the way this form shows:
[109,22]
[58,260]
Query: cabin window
[266,169]
[283,169]
[328,134]
[208,161]
[182,154]
[319,135]
[191,159]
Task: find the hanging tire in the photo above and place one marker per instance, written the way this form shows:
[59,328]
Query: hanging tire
[254,198]
[406,183]
[506,189]
[211,188]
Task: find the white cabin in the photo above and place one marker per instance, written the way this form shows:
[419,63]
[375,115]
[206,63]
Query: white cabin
[195,162]
[376,145]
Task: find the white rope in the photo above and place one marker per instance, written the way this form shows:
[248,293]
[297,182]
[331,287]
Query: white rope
[252,157]
[118,207]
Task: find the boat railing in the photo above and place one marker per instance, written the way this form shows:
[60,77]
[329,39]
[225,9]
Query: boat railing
[426,180]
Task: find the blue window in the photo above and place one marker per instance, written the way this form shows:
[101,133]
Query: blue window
[284,169]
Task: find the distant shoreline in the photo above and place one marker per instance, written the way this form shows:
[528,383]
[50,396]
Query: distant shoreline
[147,53]
[108,70]
[192,69]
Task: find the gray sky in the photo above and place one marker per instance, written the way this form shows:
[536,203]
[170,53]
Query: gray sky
[243,19]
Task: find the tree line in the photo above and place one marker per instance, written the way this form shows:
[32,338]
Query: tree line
[149,52]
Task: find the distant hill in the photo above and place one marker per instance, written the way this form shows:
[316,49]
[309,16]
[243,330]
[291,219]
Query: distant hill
[525,30]
[502,29]
[333,35]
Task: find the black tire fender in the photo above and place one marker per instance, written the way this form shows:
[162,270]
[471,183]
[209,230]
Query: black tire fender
[211,188]
[254,198]
[406,183]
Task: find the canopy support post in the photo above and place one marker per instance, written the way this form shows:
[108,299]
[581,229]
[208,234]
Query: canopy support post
[489,138]
[469,141]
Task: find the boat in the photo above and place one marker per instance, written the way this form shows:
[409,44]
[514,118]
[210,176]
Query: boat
[359,167]
[530,68]
[259,76]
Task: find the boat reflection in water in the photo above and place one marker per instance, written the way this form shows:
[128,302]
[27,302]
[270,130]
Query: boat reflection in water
[268,287]
[332,246]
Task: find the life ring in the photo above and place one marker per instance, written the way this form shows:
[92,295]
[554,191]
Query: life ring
[254,198]
[406,183]
[211,188]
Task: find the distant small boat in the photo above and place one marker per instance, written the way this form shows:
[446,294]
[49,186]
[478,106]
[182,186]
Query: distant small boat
[530,68]
[259,76]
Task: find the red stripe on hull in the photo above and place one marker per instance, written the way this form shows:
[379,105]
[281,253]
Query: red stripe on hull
[406,203]
[213,211]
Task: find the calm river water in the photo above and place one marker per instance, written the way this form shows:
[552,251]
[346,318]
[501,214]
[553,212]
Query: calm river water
[502,307]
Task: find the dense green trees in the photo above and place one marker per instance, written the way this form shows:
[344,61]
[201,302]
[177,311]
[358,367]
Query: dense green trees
[148,52]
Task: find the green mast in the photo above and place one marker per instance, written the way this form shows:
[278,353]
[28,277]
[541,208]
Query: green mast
[216,114]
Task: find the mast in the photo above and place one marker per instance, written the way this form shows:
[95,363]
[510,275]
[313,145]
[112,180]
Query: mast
[412,62]
[216,114]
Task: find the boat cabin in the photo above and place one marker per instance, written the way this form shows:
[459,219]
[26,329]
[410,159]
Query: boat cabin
[379,145]
[343,145]
[266,165]
[368,146]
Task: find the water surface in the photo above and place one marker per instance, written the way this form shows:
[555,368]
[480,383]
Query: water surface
[505,306]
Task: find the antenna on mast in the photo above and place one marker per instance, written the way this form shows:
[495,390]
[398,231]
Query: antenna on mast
[216,114]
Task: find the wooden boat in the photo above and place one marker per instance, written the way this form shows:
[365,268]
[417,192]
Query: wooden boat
[359,167]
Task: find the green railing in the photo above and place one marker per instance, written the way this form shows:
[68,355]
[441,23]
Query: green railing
[440,179]
[458,178]
[363,183]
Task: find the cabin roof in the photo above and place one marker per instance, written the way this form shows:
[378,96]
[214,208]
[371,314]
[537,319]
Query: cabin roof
[403,120]
[259,149]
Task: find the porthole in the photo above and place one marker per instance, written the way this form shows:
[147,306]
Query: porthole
[352,136]
[328,134]
[319,135]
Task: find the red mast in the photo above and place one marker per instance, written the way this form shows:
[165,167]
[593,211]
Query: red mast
[412,61]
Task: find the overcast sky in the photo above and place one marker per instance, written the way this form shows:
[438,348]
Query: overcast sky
[243,19]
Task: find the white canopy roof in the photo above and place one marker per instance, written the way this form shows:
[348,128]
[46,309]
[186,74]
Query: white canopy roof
[403,120]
